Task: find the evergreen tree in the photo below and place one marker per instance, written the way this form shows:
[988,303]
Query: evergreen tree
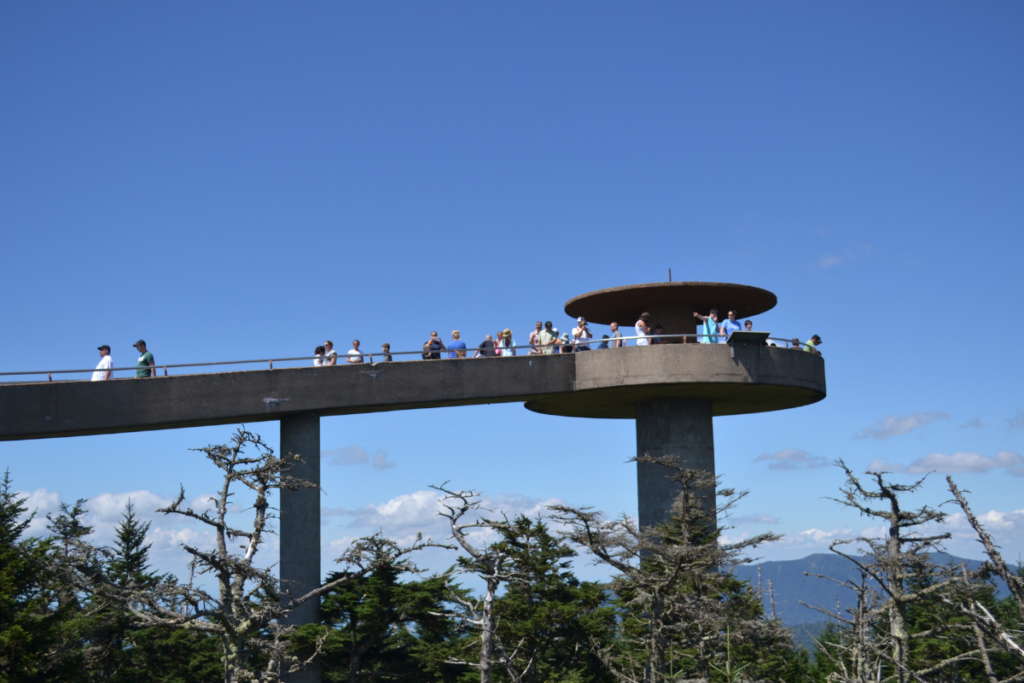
[76,622]
[30,630]
[374,625]
[120,648]
[680,611]
[548,616]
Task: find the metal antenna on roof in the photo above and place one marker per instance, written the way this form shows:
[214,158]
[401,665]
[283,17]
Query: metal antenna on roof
[670,275]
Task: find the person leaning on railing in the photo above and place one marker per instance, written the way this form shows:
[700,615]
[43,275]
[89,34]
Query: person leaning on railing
[486,349]
[811,345]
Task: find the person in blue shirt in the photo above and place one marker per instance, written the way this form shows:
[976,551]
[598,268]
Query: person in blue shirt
[456,347]
[729,326]
[709,327]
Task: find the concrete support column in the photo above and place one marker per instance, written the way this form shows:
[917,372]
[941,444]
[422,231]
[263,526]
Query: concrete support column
[300,525]
[670,426]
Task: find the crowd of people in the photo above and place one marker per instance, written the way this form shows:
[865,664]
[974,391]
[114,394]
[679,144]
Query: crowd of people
[544,339]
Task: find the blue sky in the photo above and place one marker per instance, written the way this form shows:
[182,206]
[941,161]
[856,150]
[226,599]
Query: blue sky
[245,181]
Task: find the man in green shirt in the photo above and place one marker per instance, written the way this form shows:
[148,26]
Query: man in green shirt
[548,337]
[811,345]
[146,365]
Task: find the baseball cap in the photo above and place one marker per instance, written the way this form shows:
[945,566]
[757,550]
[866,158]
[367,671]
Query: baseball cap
[100,348]
[581,319]
[141,341]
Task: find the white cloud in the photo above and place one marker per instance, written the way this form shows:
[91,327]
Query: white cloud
[108,508]
[994,521]
[973,423]
[104,512]
[852,252]
[402,517]
[357,455]
[894,425]
[820,536]
[40,502]
[957,462]
[791,459]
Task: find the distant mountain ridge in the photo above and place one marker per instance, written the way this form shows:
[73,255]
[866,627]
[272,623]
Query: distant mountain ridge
[790,586]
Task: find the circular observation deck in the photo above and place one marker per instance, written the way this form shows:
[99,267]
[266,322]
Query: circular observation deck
[737,379]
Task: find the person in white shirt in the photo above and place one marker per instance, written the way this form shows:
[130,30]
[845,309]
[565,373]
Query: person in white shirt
[581,335]
[330,355]
[318,356]
[354,354]
[103,370]
[643,329]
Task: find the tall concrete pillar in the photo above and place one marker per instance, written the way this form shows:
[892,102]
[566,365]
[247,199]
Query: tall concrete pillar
[670,426]
[300,526]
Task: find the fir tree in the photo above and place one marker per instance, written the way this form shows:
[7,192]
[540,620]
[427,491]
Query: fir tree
[548,616]
[374,624]
[680,611]
[30,630]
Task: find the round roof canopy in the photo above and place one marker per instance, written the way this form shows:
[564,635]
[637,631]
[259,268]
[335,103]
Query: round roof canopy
[627,303]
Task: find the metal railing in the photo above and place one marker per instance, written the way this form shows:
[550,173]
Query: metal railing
[424,354]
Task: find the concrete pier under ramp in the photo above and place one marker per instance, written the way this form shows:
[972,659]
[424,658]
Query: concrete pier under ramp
[300,526]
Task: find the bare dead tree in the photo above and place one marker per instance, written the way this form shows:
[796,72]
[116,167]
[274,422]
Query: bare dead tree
[492,566]
[244,612]
[989,632]
[673,581]
[854,656]
[896,572]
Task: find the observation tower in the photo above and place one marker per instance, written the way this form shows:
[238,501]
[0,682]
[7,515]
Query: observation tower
[672,390]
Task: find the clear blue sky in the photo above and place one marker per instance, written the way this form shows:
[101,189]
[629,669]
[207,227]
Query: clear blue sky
[247,180]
